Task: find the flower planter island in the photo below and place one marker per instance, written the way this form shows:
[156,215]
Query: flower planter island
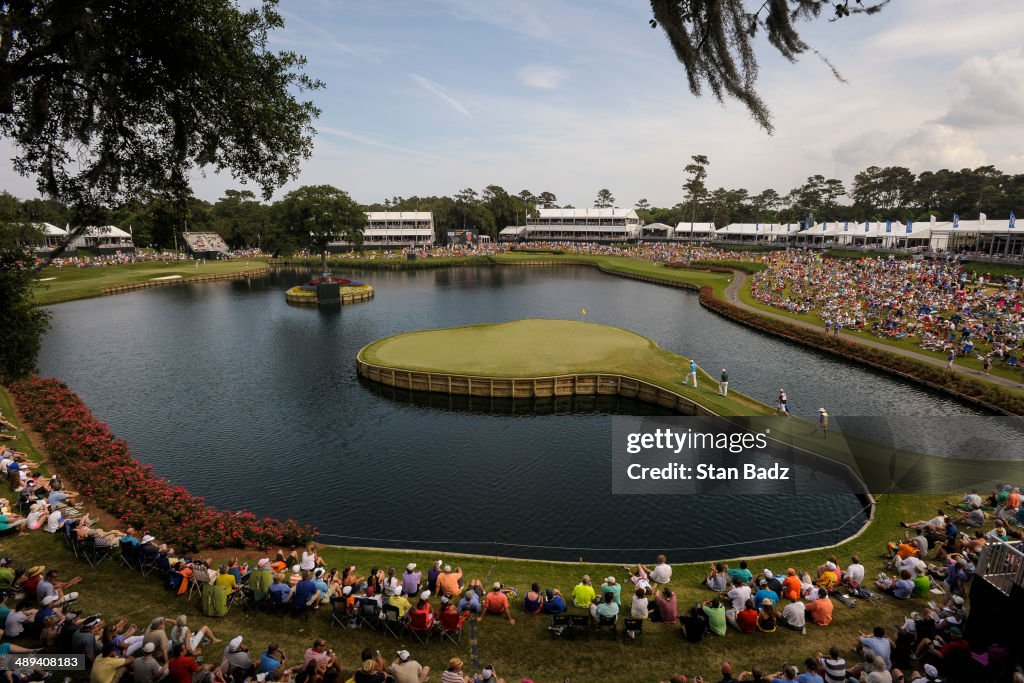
[329,289]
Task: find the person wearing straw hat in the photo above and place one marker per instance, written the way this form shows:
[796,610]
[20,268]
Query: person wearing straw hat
[453,673]
[822,423]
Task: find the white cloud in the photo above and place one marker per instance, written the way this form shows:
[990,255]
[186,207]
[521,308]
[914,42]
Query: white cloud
[435,89]
[935,28]
[927,147]
[541,76]
[991,92]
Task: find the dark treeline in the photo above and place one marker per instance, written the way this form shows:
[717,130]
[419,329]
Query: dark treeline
[875,194]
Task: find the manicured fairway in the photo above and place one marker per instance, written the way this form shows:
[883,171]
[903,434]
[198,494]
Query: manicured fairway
[70,282]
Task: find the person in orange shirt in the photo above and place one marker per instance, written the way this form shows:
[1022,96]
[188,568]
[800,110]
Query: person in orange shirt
[820,610]
[791,585]
[448,581]
[496,602]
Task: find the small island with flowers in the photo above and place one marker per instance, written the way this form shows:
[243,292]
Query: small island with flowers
[329,289]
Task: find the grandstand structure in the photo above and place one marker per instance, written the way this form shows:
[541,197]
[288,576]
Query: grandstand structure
[206,245]
[398,229]
[578,225]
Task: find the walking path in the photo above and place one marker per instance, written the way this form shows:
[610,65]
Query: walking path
[740,279]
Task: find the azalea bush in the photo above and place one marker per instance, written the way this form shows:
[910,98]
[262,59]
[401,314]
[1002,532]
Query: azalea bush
[101,467]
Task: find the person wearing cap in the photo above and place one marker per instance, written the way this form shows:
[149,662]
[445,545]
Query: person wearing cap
[453,672]
[723,383]
[449,582]
[611,585]
[237,659]
[411,579]
[188,640]
[398,600]
[470,602]
[765,593]
[583,593]
[321,584]
[421,617]
[156,633]
[86,640]
[405,669]
[496,602]
[488,675]
[146,669]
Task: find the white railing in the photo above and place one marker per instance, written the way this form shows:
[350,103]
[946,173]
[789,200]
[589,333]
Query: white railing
[1002,565]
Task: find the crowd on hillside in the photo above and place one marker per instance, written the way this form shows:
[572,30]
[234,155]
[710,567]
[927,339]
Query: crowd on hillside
[934,303]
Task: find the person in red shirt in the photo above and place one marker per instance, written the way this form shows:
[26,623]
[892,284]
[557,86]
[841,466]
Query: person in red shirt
[496,602]
[182,666]
[744,621]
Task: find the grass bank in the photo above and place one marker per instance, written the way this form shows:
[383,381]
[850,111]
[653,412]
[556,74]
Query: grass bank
[56,285]
[522,650]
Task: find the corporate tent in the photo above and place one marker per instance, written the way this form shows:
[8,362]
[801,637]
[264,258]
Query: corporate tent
[696,231]
[984,237]
[105,239]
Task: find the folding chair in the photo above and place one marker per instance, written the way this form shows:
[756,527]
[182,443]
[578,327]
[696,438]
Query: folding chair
[606,625]
[368,613]
[391,622]
[340,613]
[237,597]
[92,553]
[560,625]
[200,578]
[633,631]
[451,626]
[148,561]
[278,603]
[579,624]
[421,626]
[129,556]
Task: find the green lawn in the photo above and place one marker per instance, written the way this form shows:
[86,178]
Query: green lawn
[68,283]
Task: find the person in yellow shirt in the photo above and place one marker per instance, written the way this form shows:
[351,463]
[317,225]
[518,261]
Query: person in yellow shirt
[583,594]
[106,666]
[226,579]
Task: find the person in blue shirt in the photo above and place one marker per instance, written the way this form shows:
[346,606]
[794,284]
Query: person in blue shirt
[811,675]
[470,602]
[765,593]
[318,581]
[304,592]
[554,603]
[271,661]
[280,591]
[743,573]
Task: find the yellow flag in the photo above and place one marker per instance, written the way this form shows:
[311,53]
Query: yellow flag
[584,311]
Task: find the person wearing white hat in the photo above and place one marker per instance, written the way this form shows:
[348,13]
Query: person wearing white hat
[411,579]
[146,538]
[822,423]
[611,585]
[237,656]
[146,669]
[405,669]
[449,582]
[398,600]
[496,602]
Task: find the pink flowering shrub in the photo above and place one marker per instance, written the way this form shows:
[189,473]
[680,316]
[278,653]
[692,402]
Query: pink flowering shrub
[101,467]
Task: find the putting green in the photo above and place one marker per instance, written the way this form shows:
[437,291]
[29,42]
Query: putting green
[526,348]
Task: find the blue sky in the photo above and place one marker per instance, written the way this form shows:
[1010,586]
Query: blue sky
[431,96]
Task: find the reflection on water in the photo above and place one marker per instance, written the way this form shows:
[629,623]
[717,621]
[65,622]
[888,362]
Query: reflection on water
[251,402]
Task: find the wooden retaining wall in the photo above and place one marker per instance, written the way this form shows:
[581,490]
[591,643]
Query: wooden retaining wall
[530,387]
[350,298]
[238,275]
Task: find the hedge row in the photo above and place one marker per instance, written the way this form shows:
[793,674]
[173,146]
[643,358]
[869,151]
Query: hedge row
[100,466]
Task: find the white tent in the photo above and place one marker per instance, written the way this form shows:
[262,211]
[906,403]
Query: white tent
[684,230]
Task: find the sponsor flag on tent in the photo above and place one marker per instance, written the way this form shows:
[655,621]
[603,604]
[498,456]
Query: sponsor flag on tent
[866,226]
[908,226]
[846,226]
[888,226]
[1013,221]
[956,221]
[824,226]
